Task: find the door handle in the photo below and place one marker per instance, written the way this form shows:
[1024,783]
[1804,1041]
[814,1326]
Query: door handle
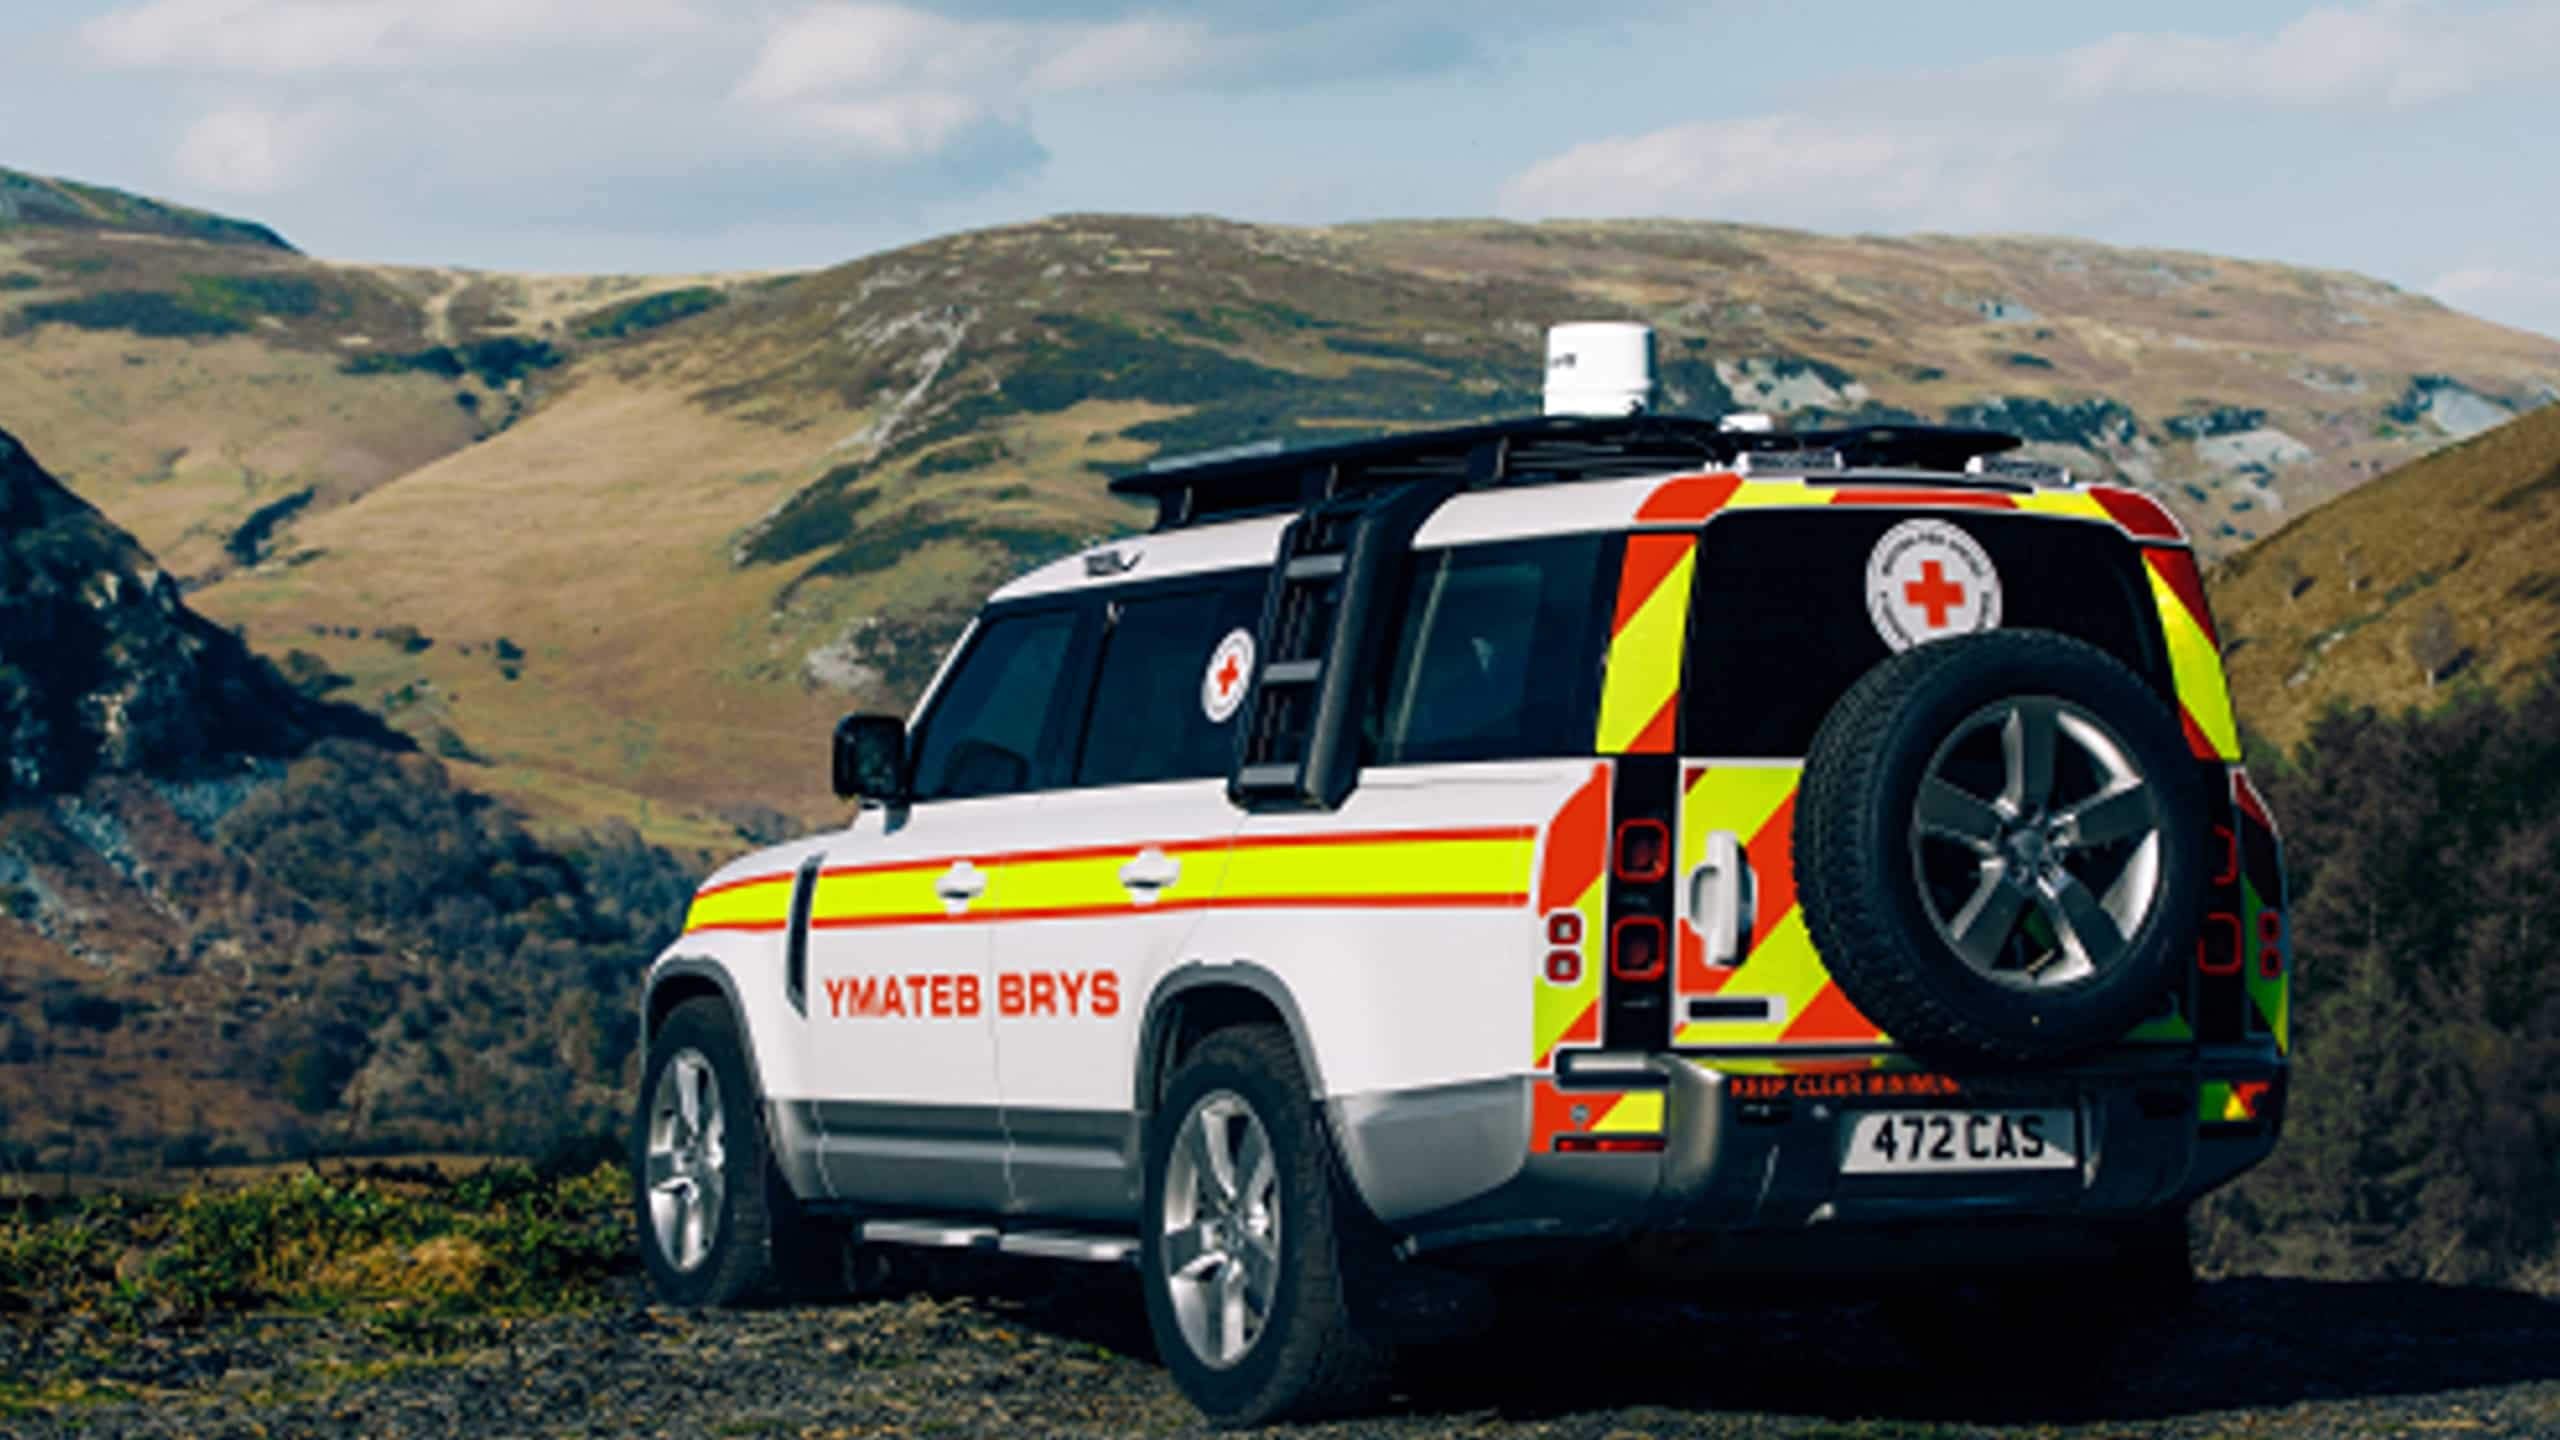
[1151,872]
[959,885]
[1724,899]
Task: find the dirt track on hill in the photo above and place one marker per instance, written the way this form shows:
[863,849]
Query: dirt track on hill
[2258,1357]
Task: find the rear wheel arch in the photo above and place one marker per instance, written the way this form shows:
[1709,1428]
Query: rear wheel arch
[1196,1001]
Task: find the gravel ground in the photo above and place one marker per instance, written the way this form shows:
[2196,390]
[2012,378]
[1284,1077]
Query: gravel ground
[2256,1357]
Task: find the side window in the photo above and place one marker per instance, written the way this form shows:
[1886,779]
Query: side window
[1151,718]
[984,735]
[1497,655]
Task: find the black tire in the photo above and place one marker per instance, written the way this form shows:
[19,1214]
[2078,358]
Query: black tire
[752,1206]
[1880,901]
[1308,1358]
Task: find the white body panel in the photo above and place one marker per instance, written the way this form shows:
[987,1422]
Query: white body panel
[1071,1055]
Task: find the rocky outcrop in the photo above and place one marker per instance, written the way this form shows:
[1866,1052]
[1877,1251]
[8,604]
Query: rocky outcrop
[104,669]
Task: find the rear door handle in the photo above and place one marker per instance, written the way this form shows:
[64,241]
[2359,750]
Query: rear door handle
[959,885]
[1150,873]
[1723,900]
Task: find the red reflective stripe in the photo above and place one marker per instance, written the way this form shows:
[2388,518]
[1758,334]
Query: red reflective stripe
[1658,733]
[1772,855]
[1650,561]
[1687,499]
[2198,743]
[747,927]
[1830,1017]
[2138,514]
[1576,842]
[2178,569]
[1964,499]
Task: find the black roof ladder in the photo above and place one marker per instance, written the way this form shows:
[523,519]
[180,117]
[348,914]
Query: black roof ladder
[1325,620]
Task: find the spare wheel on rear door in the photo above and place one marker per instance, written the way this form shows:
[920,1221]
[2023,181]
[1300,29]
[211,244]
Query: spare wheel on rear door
[1999,846]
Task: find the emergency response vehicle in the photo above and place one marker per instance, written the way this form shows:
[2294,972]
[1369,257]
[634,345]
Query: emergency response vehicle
[1826,851]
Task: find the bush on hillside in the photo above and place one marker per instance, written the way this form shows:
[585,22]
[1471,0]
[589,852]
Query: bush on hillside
[2423,1138]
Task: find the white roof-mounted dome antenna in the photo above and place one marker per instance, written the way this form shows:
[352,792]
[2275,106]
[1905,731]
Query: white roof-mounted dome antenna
[1600,368]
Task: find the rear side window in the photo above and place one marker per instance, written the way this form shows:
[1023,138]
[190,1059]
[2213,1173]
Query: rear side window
[986,733]
[1497,655]
[1779,626]
[1150,721]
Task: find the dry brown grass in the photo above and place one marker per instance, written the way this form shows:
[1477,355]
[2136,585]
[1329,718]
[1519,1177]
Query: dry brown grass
[2323,611]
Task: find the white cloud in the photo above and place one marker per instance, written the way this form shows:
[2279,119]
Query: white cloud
[286,37]
[245,150]
[1792,168]
[905,126]
[2389,55]
[2026,141]
[2516,297]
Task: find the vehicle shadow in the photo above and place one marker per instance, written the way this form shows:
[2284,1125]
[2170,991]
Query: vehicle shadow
[2244,1344]
[2248,1343]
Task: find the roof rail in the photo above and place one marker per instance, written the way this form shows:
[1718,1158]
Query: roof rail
[1548,449]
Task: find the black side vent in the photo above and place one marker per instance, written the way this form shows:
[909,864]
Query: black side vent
[795,941]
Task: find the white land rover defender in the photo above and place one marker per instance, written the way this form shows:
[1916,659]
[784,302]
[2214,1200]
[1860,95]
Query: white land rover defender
[1827,849]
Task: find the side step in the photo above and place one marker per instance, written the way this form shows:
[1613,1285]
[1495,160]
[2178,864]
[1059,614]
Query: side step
[1045,1244]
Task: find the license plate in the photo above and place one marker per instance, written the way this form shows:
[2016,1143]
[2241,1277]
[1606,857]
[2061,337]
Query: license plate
[1909,1142]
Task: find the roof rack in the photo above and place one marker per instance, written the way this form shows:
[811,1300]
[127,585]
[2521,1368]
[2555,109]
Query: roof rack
[1546,449]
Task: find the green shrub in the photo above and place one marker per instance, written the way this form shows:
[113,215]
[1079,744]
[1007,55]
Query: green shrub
[152,314]
[651,311]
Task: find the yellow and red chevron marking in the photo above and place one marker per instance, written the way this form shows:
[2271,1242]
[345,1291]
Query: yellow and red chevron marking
[1757,803]
[1479,867]
[1640,703]
[1694,499]
[1571,878]
[2195,653]
[1555,1111]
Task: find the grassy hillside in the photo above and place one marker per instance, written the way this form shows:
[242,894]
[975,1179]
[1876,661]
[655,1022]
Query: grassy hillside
[619,547]
[714,536]
[2443,574]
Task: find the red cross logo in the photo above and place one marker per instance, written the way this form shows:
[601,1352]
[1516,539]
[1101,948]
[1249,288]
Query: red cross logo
[1934,592]
[1228,673]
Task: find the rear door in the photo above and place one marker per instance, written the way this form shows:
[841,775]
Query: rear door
[1790,607]
[1106,879]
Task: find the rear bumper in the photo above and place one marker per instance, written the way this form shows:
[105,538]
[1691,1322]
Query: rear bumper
[1743,1147]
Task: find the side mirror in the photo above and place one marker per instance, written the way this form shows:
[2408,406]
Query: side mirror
[871,758]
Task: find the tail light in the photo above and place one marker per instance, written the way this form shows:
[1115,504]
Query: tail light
[2218,947]
[1644,851]
[1637,949]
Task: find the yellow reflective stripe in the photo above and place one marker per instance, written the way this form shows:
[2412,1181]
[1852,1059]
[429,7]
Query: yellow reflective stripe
[1739,798]
[1786,965]
[1092,882]
[2271,994]
[900,894]
[1637,1112]
[761,902]
[1558,1006]
[1420,870]
[1644,659]
[2065,502]
[1774,494]
[2197,670]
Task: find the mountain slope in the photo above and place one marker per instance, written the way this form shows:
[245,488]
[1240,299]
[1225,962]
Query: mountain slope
[2446,571]
[233,917]
[41,200]
[710,539]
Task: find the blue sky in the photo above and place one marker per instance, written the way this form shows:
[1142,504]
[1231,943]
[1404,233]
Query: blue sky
[2408,139]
